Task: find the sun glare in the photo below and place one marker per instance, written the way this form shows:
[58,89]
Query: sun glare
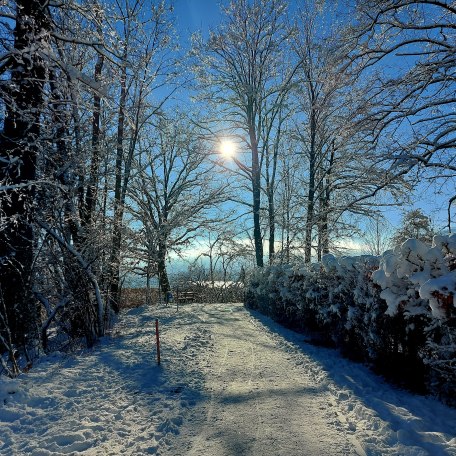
[227,149]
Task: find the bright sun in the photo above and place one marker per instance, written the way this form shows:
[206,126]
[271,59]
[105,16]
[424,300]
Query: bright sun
[227,148]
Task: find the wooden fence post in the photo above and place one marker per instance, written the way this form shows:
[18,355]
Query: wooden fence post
[157,335]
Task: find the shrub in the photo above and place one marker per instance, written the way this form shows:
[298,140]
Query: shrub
[395,312]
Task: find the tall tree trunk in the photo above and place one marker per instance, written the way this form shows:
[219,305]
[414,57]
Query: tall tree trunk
[256,193]
[122,182]
[161,267]
[286,216]
[288,220]
[78,208]
[118,199]
[148,277]
[91,194]
[211,262]
[309,226]
[62,165]
[311,192]
[322,215]
[271,221]
[270,183]
[19,147]
[324,235]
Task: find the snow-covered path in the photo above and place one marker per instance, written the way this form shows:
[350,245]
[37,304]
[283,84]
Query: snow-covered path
[231,382]
[261,399]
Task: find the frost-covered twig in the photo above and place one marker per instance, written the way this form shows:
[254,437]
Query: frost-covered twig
[7,344]
[86,267]
[51,313]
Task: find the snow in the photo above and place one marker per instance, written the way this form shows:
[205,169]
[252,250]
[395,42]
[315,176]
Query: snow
[416,269]
[231,382]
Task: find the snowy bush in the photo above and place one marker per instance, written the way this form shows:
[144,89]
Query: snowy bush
[396,312]
[418,281]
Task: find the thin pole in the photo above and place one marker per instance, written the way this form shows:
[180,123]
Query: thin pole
[158,341]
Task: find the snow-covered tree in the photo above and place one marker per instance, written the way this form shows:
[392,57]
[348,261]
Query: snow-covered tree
[415,225]
[341,173]
[416,101]
[244,76]
[76,90]
[145,64]
[24,70]
[377,235]
[174,189]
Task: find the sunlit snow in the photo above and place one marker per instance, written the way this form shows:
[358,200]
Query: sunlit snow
[231,382]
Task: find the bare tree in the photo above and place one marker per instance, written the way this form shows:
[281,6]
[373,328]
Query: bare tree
[377,235]
[417,101]
[22,93]
[344,173]
[223,249]
[242,66]
[42,90]
[174,190]
[95,159]
[290,207]
[145,52]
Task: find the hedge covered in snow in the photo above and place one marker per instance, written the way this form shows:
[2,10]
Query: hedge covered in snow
[396,312]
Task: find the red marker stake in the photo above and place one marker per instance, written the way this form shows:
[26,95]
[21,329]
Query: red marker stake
[158,341]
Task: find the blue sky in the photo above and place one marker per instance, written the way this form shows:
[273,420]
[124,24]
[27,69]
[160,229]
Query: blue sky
[196,15]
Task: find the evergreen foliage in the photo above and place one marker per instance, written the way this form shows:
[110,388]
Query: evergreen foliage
[415,225]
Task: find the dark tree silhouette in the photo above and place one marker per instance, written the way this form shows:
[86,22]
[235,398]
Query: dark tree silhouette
[22,95]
